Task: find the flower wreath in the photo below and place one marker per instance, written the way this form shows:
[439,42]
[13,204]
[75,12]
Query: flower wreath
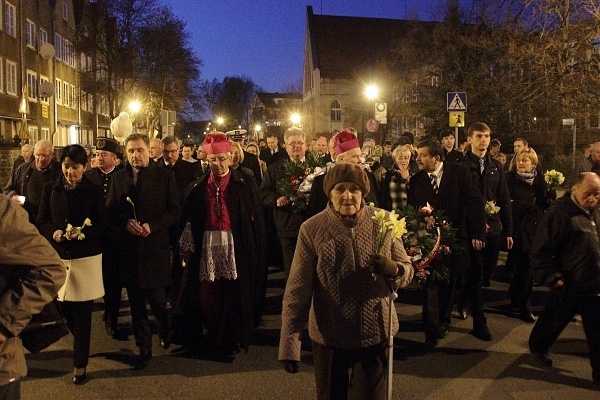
[295,174]
[430,240]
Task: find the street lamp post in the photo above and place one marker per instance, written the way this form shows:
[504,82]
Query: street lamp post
[372,93]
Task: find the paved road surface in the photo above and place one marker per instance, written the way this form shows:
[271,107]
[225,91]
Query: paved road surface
[461,367]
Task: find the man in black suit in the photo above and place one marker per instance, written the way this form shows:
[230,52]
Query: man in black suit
[143,204]
[448,187]
[274,151]
[184,171]
[488,177]
[106,153]
[287,222]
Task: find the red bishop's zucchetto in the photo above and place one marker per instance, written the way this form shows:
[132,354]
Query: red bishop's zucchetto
[216,143]
[344,141]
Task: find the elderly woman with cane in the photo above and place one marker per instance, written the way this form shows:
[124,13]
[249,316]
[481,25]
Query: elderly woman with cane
[341,285]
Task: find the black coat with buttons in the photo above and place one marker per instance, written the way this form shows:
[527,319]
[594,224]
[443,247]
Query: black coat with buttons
[144,260]
[60,207]
[492,185]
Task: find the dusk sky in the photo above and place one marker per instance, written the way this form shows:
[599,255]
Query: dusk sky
[264,39]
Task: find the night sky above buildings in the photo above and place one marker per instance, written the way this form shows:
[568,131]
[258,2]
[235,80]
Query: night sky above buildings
[264,39]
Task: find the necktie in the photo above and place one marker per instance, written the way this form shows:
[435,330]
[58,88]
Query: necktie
[434,182]
[481,165]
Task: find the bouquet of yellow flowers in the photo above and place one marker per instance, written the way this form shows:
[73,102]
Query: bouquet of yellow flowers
[491,208]
[553,178]
[390,225]
[76,231]
[393,225]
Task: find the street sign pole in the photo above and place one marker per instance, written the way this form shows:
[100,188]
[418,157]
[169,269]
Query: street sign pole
[455,137]
[571,121]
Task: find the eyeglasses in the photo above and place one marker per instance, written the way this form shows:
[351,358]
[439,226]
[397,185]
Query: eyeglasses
[296,144]
[42,155]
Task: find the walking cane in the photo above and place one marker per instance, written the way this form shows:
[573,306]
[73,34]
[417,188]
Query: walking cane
[390,345]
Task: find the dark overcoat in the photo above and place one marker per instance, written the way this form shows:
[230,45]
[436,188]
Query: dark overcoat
[60,207]
[247,226]
[528,204]
[157,202]
[457,197]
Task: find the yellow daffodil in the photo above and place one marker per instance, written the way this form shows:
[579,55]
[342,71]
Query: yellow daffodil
[379,216]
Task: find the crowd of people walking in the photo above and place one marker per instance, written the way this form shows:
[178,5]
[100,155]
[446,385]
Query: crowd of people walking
[191,231]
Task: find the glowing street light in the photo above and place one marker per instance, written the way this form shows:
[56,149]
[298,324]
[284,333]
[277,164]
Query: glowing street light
[134,107]
[257,127]
[295,118]
[372,92]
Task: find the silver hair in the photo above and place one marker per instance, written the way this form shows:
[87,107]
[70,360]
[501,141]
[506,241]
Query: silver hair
[294,132]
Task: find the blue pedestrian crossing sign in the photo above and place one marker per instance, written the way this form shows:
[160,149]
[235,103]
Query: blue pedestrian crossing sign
[457,101]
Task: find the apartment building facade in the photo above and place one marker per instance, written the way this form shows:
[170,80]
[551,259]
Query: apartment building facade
[40,95]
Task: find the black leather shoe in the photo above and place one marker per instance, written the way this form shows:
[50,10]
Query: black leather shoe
[542,359]
[79,379]
[462,312]
[110,331]
[430,342]
[526,316]
[444,331]
[482,332]
[142,360]
[164,343]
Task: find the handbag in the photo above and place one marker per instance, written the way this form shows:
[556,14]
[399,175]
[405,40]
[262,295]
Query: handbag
[45,328]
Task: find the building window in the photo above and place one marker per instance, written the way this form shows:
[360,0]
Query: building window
[11,78]
[83,100]
[66,51]
[42,80]
[58,90]
[43,36]
[336,111]
[1,75]
[31,34]
[10,13]
[45,134]
[58,46]
[65,11]
[73,97]
[32,130]
[66,94]
[72,57]
[32,86]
